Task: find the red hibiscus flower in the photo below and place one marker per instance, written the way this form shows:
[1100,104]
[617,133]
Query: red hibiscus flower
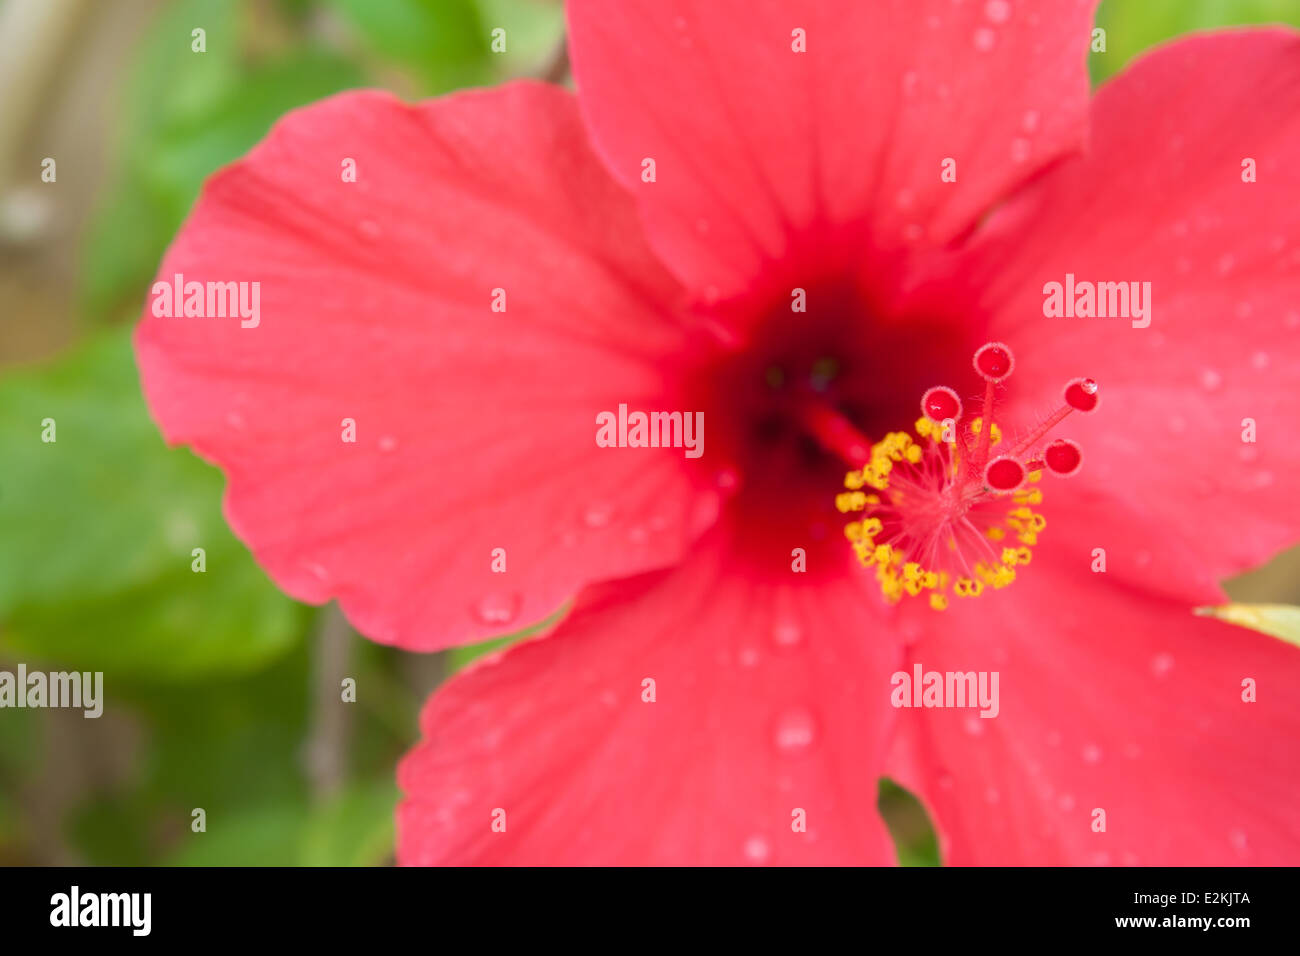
[795,219]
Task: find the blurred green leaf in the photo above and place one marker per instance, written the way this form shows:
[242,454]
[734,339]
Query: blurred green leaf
[99,527]
[1132,26]
[909,825]
[187,115]
[443,41]
[266,836]
[1277,620]
[354,828]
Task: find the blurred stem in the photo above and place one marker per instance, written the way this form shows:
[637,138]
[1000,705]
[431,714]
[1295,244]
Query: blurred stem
[327,743]
[556,67]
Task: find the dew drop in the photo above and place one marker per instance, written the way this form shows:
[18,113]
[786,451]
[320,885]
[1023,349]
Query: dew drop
[598,515]
[974,726]
[984,39]
[1162,664]
[1020,149]
[369,228]
[497,608]
[1066,803]
[1226,263]
[638,535]
[757,849]
[1259,360]
[1029,122]
[787,635]
[727,479]
[1238,840]
[1264,479]
[387,443]
[1211,379]
[748,657]
[992,796]
[999,11]
[1091,753]
[795,732]
[910,79]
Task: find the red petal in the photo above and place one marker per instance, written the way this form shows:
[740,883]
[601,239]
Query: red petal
[1113,700]
[762,154]
[1170,489]
[475,429]
[768,699]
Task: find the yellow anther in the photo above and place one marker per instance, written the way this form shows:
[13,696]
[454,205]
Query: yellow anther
[1023,555]
[924,426]
[854,480]
[1009,556]
[938,601]
[995,533]
[872,527]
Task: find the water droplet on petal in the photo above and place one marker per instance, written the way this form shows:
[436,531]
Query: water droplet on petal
[1238,840]
[795,731]
[974,726]
[984,39]
[1029,122]
[1066,802]
[1210,379]
[369,228]
[387,443]
[598,515]
[999,11]
[748,657]
[1091,753]
[1020,150]
[787,635]
[1259,360]
[757,849]
[497,609]
[1162,664]
[727,479]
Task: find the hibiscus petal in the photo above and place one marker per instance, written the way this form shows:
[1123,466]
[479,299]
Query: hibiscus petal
[1168,485]
[766,703]
[1111,700]
[475,429]
[761,152]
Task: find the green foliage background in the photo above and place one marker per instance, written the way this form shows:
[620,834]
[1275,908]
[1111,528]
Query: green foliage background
[212,676]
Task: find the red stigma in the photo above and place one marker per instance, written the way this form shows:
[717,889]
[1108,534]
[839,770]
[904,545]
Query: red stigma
[1004,474]
[940,404]
[1081,394]
[1063,457]
[994,361]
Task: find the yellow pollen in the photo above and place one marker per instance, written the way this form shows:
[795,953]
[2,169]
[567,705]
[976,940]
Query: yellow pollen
[897,572]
